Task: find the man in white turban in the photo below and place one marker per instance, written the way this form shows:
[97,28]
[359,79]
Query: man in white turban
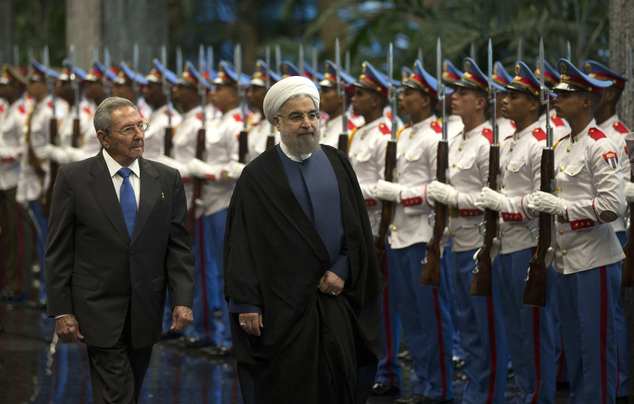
[299,258]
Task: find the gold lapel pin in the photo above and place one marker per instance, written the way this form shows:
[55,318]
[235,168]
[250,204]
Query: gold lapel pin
[162,195]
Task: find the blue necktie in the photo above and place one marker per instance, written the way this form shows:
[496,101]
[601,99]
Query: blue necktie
[127,199]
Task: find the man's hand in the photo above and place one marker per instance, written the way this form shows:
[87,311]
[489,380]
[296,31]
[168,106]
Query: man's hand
[251,323]
[181,317]
[67,329]
[331,284]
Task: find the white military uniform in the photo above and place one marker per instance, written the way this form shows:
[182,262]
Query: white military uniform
[454,126]
[30,186]
[154,140]
[259,131]
[12,141]
[367,156]
[587,178]
[468,171]
[144,108]
[616,132]
[416,167]
[520,165]
[506,127]
[88,142]
[559,125]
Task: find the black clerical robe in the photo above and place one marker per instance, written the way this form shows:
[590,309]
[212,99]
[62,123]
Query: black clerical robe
[313,345]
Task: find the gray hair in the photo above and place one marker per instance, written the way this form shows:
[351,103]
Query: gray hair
[103,115]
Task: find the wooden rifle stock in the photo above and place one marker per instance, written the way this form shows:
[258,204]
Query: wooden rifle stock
[168,141]
[387,207]
[481,284]
[430,272]
[535,289]
[75,139]
[243,146]
[53,167]
[342,143]
[197,182]
[270,141]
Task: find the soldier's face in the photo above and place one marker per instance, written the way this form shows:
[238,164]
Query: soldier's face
[255,97]
[125,91]
[329,100]
[517,105]
[466,102]
[568,104]
[412,101]
[364,101]
[153,94]
[123,147]
[37,90]
[298,123]
[225,97]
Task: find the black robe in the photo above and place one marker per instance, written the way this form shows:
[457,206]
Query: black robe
[312,345]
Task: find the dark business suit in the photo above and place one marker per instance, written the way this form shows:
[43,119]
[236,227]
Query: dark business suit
[113,283]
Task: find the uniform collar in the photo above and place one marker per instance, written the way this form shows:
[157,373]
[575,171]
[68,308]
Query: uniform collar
[424,123]
[592,124]
[607,124]
[477,130]
[113,166]
[526,130]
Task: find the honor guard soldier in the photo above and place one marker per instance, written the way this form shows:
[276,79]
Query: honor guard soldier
[163,114]
[222,165]
[588,196]
[506,127]
[609,122]
[367,156]
[559,124]
[16,233]
[332,104]
[126,85]
[478,318]
[46,112]
[259,128]
[450,75]
[529,329]
[423,309]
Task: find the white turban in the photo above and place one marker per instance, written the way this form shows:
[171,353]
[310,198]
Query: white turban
[286,88]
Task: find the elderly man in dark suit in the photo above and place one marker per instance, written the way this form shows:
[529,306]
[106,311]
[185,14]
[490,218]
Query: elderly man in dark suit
[117,239]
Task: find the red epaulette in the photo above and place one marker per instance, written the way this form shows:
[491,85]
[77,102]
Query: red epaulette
[237,117]
[351,125]
[1,108]
[539,134]
[513,125]
[50,104]
[620,127]
[436,126]
[557,121]
[22,109]
[385,129]
[488,134]
[596,134]
[200,116]
[88,110]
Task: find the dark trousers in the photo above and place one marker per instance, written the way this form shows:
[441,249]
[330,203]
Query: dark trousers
[117,372]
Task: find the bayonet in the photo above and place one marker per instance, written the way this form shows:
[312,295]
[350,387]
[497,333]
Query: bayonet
[342,143]
[300,60]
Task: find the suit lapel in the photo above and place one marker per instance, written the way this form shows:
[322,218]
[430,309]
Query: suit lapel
[106,196]
[281,195]
[150,192]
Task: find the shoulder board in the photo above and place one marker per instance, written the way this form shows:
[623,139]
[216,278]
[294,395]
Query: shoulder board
[200,116]
[513,125]
[351,125]
[87,110]
[384,129]
[488,134]
[539,134]
[2,108]
[596,134]
[22,109]
[559,141]
[237,117]
[558,121]
[620,127]
[50,104]
[436,126]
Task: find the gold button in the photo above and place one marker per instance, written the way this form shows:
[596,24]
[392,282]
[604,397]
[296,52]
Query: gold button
[393,227]
[564,252]
[453,166]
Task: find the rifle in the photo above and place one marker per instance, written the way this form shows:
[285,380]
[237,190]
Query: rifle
[243,137]
[481,284]
[535,289]
[430,272]
[627,280]
[75,140]
[201,143]
[53,137]
[387,207]
[168,137]
[270,139]
[342,143]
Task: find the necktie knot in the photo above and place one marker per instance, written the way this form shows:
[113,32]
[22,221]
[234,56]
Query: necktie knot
[124,172]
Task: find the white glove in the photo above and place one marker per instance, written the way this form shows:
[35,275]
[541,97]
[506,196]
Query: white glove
[234,170]
[75,154]
[629,191]
[443,193]
[490,199]
[44,152]
[548,203]
[58,154]
[388,191]
[170,162]
[200,169]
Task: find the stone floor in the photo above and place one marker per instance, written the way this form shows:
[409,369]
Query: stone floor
[33,369]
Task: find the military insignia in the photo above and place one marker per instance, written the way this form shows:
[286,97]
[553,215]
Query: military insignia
[596,134]
[539,134]
[22,109]
[200,116]
[1,109]
[557,120]
[611,159]
[385,129]
[488,134]
[620,127]
[436,126]
[237,117]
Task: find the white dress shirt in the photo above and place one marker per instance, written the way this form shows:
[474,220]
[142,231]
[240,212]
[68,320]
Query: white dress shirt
[117,180]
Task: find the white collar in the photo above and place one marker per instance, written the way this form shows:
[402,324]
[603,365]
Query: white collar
[113,166]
